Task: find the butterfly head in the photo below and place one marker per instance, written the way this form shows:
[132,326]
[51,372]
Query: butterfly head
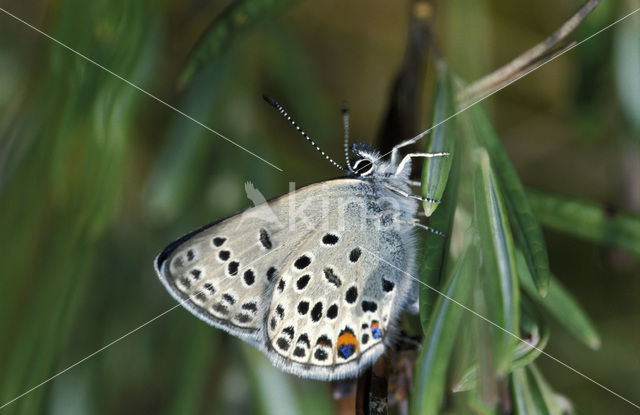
[366,160]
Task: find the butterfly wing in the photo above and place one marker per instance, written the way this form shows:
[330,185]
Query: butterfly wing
[224,272]
[334,307]
[295,277]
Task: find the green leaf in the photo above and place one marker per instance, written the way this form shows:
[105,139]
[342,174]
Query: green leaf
[532,395]
[525,225]
[561,305]
[527,399]
[435,171]
[499,274]
[236,18]
[537,337]
[587,220]
[436,248]
[432,364]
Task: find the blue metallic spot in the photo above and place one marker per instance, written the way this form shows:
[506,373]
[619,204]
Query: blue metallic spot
[346,350]
[375,332]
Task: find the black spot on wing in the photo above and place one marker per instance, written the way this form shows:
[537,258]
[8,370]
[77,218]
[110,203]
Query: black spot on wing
[387,285]
[289,331]
[229,298]
[316,312]
[220,308]
[218,241]
[352,295]
[303,307]
[249,277]
[332,312]
[265,240]
[369,306]
[324,341]
[283,344]
[224,255]
[330,239]
[302,282]
[233,268]
[332,277]
[354,255]
[320,355]
[302,262]
[271,272]
[304,339]
[253,307]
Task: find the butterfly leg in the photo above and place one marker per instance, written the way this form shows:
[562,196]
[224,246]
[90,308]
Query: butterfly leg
[411,195]
[409,156]
[414,183]
[421,226]
[394,150]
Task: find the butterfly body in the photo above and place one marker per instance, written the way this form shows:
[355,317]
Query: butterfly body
[314,278]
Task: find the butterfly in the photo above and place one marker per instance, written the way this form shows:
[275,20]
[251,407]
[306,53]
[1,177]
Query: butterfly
[315,278]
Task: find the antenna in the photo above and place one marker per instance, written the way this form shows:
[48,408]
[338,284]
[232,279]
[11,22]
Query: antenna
[286,115]
[345,123]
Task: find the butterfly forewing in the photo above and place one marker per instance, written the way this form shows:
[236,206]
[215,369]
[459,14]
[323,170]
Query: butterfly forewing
[224,272]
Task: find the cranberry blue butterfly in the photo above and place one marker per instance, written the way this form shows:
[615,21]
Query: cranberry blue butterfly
[315,279]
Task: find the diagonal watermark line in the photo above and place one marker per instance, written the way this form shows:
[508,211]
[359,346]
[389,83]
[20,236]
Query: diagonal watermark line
[89,356]
[137,87]
[479,100]
[229,140]
[555,359]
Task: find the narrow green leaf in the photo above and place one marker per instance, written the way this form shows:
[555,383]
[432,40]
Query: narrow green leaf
[436,248]
[561,305]
[235,19]
[551,399]
[537,337]
[527,398]
[525,225]
[435,171]
[499,274]
[532,395]
[440,336]
[587,220]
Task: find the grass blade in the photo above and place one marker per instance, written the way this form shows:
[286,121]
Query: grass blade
[440,335]
[537,335]
[435,171]
[235,19]
[587,220]
[499,265]
[525,224]
[561,305]
[436,248]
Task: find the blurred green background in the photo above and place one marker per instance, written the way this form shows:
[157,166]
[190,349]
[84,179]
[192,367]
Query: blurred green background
[96,178]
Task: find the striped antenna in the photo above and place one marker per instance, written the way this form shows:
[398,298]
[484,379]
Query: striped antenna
[345,123]
[286,115]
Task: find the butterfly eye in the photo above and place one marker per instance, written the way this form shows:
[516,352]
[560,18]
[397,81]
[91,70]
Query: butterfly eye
[363,167]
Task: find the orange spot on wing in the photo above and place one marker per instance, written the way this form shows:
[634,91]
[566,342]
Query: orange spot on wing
[347,338]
